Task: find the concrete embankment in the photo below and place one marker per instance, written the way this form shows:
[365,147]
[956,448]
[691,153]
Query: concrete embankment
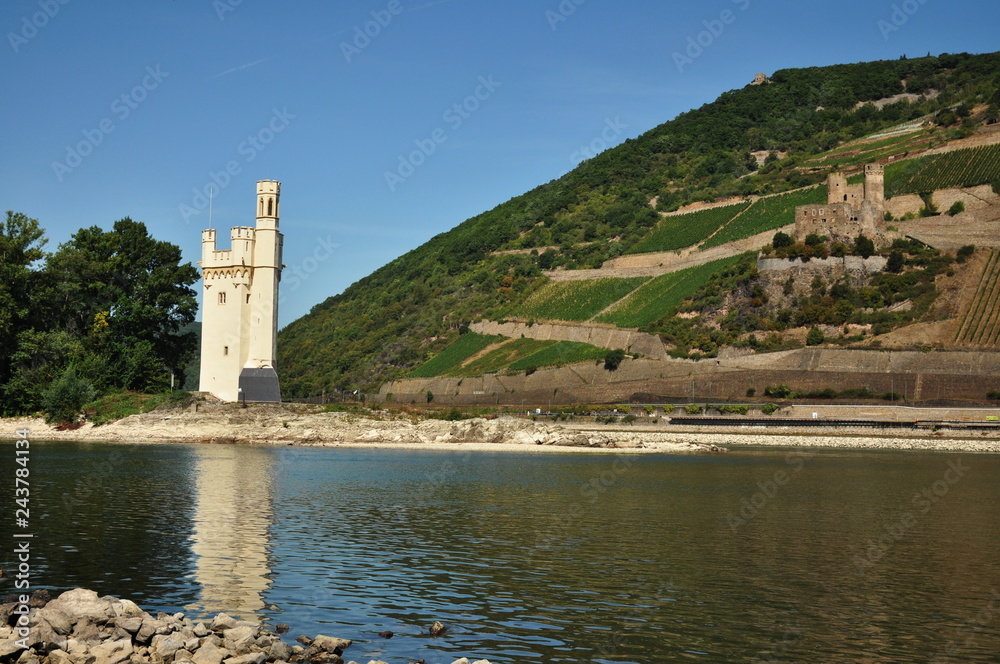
[78,627]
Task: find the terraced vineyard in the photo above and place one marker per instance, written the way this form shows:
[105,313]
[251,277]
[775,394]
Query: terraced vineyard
[857,153]
[464,347]
[685,230]
[655,299]
[527,354]
[961,168]
[767,214]
[576,300]
[981,324]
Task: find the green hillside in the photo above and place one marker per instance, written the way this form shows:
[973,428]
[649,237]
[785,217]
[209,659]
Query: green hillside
[393,320]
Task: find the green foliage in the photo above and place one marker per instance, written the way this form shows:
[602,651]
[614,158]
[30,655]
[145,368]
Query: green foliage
[660,296]
[814,337]
[751,392]
[677,232]
[782,240]
[694,409]
[452,357]
[965,253]
[63,401]
[558,353]
[770,408]
[993,395]
[895,262]
[863,246]
[733,409]
[780,391]
[576,300]
[378,328]
[613,358]
[430,396]
[960,168]
[767,214]
[958,207]
[119,405]
[115,305]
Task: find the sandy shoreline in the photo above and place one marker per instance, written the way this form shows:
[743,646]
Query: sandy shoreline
[282,425]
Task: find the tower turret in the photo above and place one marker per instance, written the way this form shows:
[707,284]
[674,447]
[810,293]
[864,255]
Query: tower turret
[875,184]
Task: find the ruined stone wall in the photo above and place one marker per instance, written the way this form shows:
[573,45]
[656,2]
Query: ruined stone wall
[825,265]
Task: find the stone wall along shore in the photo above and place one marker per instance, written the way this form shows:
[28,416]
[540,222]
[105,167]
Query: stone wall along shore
[78,627]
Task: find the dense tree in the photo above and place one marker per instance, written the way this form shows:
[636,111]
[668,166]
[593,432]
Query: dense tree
[109,304]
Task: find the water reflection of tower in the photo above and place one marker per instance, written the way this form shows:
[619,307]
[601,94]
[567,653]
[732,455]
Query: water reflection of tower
[232,515]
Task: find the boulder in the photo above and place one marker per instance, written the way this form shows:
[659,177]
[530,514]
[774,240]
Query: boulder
[207,654]
[331,644]
[239,640]
[165,645]
[112,652]
[81,603]
[250,658]
[222,622]
[201,631]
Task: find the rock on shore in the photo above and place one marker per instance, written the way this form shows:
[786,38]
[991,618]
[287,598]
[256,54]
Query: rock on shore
[78,627]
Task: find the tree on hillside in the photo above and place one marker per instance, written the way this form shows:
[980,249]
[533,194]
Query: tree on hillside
[863,246]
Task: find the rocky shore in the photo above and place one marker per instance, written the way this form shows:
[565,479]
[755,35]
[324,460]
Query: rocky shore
[285,425]
[288,424]
[78,627]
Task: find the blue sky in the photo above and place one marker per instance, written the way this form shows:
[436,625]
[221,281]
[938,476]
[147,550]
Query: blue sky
[444,109]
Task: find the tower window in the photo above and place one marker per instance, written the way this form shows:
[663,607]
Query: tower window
[222,297]
[225,350]
[248,298]
[270,207]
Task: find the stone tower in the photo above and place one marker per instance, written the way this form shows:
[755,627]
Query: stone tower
[836,188]
[875,184]
[239,320]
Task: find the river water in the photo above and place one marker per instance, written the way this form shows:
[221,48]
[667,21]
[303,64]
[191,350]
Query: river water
[750,556]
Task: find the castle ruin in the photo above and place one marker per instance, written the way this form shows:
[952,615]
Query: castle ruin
[850,210]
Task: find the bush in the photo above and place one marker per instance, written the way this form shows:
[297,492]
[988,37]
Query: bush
[751,392]
[815,337]
[895,262]
[993,395]
[780,391]
[863,246]
[64,399]
[781,240]
[957,207]
[770,408]
[613,358]
[430,396]
[965,252]
[693,409]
